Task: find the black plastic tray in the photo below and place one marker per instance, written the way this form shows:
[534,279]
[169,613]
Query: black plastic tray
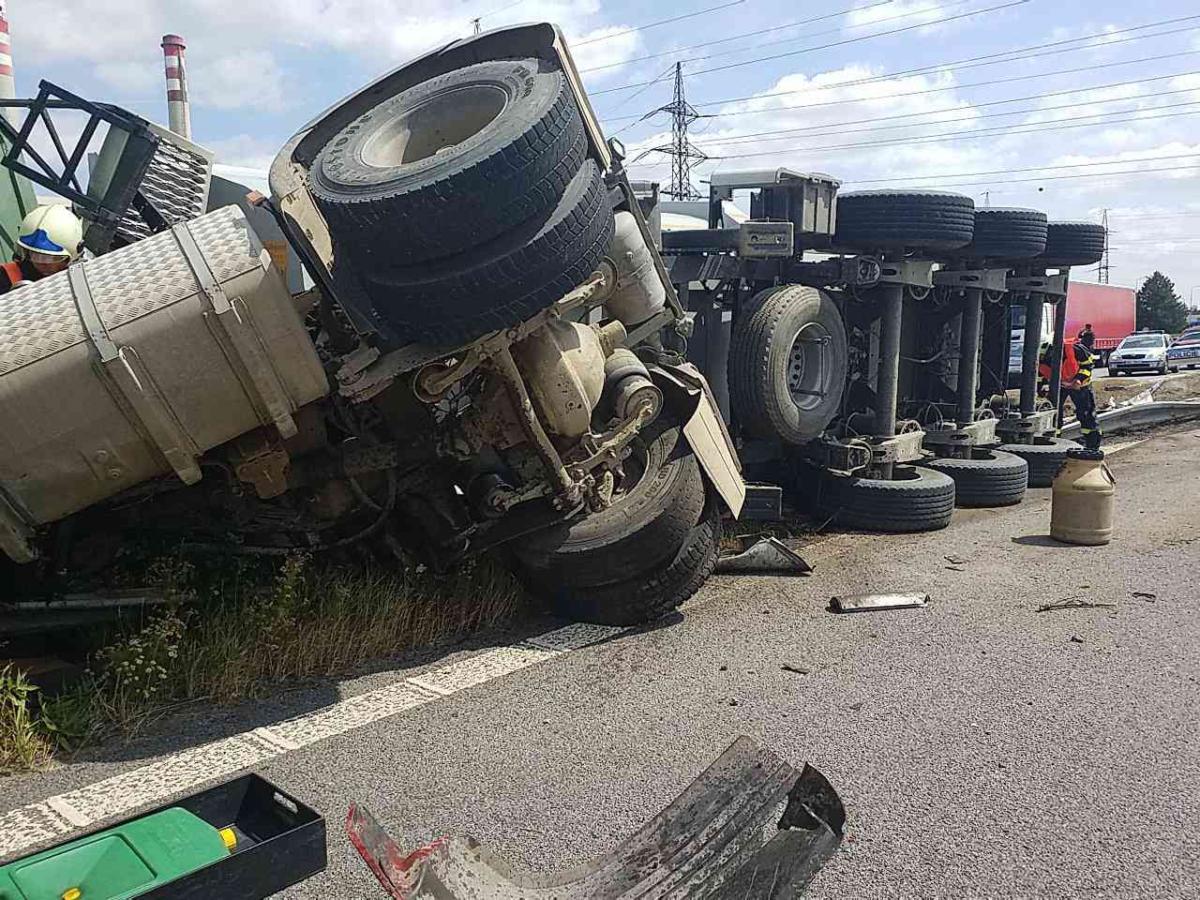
[281,842]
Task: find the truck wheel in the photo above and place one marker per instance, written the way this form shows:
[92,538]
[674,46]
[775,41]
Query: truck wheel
[657,507]
[989,478]
[647,597]
[450,163]
[1045,457]
[1003,233]
[904,220]
[917,499]
[787,364]
[1073,244]
[453,300]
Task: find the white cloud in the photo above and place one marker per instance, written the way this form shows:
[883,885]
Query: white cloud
[870,12]
[244,151]
[233,45]
[604,49]
[251,80]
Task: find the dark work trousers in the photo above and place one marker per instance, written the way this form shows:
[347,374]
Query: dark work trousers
[1085,410]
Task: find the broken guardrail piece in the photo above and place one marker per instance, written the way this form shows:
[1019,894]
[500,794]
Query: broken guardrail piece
[764,555]
[871,602]
[711,842]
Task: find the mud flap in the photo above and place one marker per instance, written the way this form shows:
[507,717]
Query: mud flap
[687,393]
[750,827]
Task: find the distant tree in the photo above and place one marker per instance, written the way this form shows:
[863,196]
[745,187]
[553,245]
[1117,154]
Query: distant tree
[1159,307]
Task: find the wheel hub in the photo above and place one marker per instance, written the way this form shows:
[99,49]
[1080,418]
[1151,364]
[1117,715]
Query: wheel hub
[809,367]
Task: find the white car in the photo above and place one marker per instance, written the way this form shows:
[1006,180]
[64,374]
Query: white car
[1145,351]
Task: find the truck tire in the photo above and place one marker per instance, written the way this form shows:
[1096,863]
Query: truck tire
[789,342]
[904,220]
[648,596]
[1007,233]
[1073,244]
[989,478]
[917,499]
[454,300]
[634,539]
[450,163]
[1045,457]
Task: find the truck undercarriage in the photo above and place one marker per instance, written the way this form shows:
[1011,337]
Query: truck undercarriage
[489,351]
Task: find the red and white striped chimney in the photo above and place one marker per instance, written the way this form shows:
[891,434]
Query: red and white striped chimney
[8,88]
[178,109]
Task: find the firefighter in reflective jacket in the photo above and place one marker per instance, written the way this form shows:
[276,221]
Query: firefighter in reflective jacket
[1076,379]
[48,239]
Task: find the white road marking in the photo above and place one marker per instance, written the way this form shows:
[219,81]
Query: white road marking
[182,772]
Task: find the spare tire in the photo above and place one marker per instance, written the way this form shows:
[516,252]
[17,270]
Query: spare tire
[450,163]
[499,284]
[904,220]
[1073,244]
[1007,233]
[787,364]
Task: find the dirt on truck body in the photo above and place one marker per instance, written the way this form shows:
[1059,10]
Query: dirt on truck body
[492,355]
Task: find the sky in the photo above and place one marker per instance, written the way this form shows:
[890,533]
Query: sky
[1072,108]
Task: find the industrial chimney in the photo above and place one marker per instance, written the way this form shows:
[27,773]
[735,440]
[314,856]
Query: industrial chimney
[8,89]
[179,111]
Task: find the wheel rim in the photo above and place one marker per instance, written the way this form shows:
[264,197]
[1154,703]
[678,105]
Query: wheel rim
[435,125]
[810,367]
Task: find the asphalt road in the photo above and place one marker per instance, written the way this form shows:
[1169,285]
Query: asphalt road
[982,748]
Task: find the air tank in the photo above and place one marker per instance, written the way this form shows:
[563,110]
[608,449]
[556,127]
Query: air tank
[640,293]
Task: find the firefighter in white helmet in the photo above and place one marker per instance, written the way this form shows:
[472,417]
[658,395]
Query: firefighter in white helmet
[48,239]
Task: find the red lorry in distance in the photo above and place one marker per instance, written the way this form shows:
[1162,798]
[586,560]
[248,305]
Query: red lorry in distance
[1111,310]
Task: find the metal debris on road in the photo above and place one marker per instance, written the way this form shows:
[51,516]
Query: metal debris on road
[871,602]
[1144,595]
[776,855]
[765,555]
[1074,603]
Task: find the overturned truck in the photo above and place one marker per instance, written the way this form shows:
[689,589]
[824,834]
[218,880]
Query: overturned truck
[490,355]
[858,343]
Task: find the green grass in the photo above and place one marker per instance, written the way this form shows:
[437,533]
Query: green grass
[241,628]
[24,744]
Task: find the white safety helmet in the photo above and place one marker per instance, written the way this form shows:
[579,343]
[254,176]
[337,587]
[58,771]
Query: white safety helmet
[51,230]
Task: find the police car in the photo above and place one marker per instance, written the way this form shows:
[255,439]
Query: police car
[1184,351]
[1141,352]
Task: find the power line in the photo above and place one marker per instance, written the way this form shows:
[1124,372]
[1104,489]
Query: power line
[993,131]
[968,62]
[865,37]
[656,23]
[956,87]
[764,136]
[747,34]
[1033,180]
[1018,171]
